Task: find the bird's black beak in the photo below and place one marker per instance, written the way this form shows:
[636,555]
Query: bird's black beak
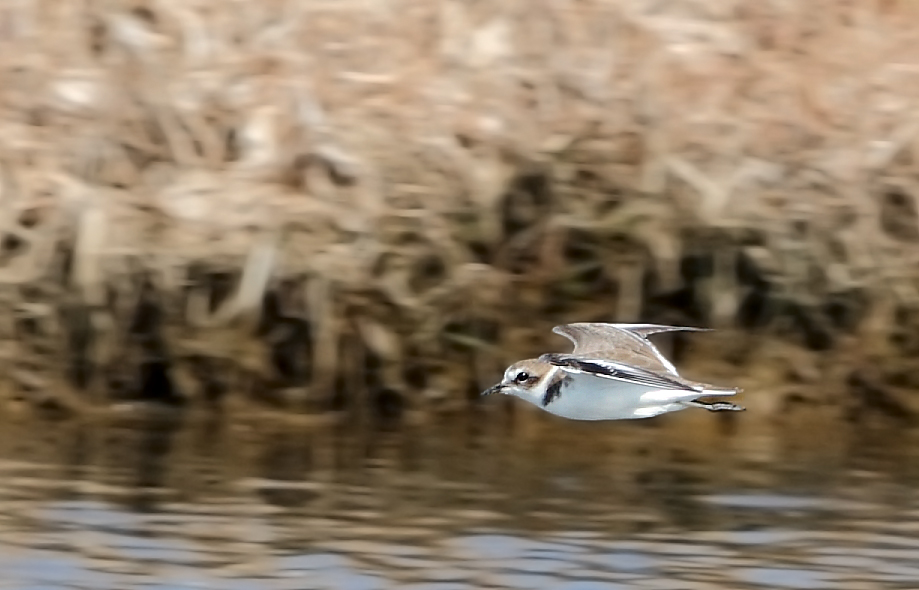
[493,389]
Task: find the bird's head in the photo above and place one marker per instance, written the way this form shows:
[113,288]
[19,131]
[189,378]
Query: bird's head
[523,379]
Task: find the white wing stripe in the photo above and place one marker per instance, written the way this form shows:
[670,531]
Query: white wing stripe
[613,370]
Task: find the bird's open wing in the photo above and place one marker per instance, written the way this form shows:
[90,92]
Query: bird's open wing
[621,342]
[601,367]
[590,337]
[645,330]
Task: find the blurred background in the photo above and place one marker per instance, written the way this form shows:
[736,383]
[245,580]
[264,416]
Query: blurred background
[258,259]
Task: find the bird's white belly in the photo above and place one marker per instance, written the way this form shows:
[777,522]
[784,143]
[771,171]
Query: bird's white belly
[598,398]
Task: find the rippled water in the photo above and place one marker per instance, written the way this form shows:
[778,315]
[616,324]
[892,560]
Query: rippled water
[682,502]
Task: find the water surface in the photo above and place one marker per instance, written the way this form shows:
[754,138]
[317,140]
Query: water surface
[684,502]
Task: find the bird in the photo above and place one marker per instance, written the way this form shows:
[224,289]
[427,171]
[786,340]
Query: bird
[614,373]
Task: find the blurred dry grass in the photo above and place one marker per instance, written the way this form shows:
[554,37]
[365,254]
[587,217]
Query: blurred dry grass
[386,191]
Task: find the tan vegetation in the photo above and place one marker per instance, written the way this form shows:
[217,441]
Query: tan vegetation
[300,197]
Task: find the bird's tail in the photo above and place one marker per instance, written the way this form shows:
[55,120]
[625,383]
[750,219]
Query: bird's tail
[720,391]
[717,406]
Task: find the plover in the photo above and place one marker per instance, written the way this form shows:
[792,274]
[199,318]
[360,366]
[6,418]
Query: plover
[613,373]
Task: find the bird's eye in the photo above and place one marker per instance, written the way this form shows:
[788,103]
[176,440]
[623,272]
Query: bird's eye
[522,377]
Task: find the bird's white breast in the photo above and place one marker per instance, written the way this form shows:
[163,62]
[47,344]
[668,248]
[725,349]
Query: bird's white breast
[587,397]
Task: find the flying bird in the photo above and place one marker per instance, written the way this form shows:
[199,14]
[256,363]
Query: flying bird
[613,373]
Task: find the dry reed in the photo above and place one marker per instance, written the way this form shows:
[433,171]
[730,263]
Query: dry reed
[298,198]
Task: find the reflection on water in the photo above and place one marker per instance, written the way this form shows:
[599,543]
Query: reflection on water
[671,504]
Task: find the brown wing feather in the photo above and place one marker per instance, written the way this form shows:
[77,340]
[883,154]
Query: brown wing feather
[625,344]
